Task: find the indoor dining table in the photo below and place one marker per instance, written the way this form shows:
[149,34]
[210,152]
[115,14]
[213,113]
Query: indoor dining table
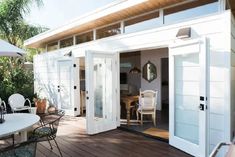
[128,100]
[18,122]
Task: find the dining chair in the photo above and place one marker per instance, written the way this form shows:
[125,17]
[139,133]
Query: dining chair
[48,130]
[17,102]
[147,105]
[25,149]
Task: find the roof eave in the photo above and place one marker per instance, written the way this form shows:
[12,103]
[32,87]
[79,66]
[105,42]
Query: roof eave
[38,40]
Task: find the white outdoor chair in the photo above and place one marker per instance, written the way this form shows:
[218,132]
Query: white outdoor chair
[147,105]
[4,105]
[17,103]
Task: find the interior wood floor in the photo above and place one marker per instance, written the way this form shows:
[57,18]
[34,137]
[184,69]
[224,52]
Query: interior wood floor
[159,131]
[74,142]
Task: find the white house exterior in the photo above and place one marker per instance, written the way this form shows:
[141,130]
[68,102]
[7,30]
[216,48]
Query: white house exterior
[201,68]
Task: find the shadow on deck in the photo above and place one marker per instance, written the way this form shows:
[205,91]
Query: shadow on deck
[74,142]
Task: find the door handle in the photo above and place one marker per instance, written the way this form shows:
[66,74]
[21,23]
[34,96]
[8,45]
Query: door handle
[202,107]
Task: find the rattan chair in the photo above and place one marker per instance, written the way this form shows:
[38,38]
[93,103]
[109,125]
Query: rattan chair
[48,130]
[25,149]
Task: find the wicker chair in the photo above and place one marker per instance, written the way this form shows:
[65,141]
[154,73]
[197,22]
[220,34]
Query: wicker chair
[26,149]
[48,130]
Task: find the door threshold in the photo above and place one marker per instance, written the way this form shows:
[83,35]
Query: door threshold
[143,134]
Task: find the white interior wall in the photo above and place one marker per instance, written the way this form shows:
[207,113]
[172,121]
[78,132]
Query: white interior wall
[153,56]
[133,80]
[214,28]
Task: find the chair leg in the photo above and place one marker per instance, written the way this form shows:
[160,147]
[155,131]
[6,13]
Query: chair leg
[49,143]
[154,119]
[137,116]
[141,119]
[58,148]
[13,139]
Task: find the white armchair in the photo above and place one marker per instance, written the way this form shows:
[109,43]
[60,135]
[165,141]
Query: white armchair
[4,105]
[17,103]
[147,105]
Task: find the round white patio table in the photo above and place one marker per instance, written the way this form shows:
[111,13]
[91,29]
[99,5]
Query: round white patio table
[18,122]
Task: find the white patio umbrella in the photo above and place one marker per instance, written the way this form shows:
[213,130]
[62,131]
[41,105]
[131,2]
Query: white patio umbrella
[7,49]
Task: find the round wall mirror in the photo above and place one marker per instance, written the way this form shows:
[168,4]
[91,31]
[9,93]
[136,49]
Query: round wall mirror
[149,71]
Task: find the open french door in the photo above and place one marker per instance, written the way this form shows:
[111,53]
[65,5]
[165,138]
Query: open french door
[101,91]
[188,98]
[67,88]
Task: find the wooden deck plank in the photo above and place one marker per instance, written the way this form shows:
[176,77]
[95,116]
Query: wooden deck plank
[73,141]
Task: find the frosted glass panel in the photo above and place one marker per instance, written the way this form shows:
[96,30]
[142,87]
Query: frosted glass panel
[187,82]
[65,84]
[102,87]
[98,87]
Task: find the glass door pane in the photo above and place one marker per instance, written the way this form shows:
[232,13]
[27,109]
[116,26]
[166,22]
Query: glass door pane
[99,87]
[65,84]
[102,87]
[187,89]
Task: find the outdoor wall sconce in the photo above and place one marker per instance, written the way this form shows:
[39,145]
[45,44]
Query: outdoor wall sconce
[2,120]
[149,72]
[184,33]
[69,54]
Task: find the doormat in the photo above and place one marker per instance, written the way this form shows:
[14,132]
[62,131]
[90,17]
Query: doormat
[157,132]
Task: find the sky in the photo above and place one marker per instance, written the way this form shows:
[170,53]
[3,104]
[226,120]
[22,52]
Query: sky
[55,13]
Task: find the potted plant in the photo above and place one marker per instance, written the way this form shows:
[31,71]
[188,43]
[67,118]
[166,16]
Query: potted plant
[40,103]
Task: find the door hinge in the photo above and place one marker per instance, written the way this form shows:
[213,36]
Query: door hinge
[74,65]
[74,87]
[75,109]
[202,98]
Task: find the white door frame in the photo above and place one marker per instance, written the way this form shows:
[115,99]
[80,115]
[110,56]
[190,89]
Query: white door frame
[201,149]
[98,125]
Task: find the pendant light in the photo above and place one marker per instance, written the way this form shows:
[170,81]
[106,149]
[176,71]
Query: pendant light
[135,70]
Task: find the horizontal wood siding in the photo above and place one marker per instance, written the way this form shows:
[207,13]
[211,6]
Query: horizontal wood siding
[46,76]
[211,27]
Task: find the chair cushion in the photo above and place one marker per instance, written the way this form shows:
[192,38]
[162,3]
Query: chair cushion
[25,151]
[44,131]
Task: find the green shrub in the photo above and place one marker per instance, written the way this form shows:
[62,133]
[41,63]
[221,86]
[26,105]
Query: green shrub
[14,78]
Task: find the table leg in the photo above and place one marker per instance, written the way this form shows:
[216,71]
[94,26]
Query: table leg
[128,114]
[23,136]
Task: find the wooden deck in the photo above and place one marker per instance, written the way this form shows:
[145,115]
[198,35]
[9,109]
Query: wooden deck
[74,142]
